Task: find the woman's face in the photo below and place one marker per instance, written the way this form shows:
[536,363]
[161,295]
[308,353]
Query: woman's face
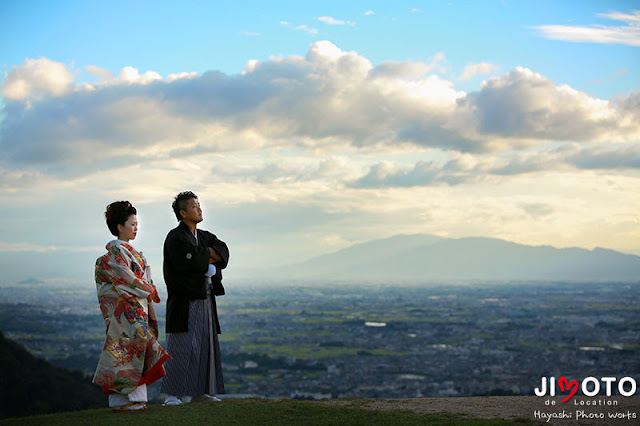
[129,230]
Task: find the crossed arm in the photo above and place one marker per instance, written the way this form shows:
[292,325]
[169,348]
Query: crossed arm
[214,256]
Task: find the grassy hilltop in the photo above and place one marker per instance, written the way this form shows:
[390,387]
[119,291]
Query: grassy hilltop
[257,412]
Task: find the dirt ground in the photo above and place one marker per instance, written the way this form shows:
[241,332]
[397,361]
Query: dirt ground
[573,412]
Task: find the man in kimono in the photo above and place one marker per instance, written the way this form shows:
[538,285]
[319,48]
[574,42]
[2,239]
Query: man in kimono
[193,260]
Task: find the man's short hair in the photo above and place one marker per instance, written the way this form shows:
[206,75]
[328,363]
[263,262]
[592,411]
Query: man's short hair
[181,201]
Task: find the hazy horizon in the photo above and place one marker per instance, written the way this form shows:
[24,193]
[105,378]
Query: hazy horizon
[502,262]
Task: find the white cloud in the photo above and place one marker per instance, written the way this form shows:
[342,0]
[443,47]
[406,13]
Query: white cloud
[132,75]
[37,248]
[101,73]
[332,21]
[407,70]
[369,13]
[14,181]
[606,157]
[631,19]
[611,76]
[181,75]
[37,78]
[304,28]
[468,168]
[474,70]
[307,29]
[628,34]
[326,101]
[525,106]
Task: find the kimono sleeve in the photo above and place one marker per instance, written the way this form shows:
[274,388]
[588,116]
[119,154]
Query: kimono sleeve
[124,279]
[221,248]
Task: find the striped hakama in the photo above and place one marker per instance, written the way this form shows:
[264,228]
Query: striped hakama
[195,368]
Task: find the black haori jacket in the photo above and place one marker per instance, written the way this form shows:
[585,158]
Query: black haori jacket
[185,264]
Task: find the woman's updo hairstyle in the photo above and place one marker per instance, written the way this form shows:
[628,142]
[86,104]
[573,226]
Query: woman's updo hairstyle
[118,213]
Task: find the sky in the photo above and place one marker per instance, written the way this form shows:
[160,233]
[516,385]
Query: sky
[307,128]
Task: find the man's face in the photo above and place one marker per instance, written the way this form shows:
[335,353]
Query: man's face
[193,212]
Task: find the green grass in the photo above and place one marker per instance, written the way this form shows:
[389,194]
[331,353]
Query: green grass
[255,412]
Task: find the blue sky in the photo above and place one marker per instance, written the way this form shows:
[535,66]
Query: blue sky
[199,36]
[311,127]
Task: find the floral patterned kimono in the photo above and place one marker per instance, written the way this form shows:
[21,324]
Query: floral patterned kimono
[131,355]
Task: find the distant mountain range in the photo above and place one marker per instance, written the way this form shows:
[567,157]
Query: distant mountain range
[428,257]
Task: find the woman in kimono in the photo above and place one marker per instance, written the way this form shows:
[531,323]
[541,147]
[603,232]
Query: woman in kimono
[131,357]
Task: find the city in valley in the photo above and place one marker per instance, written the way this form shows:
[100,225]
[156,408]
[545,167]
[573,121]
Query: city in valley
[319,340]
